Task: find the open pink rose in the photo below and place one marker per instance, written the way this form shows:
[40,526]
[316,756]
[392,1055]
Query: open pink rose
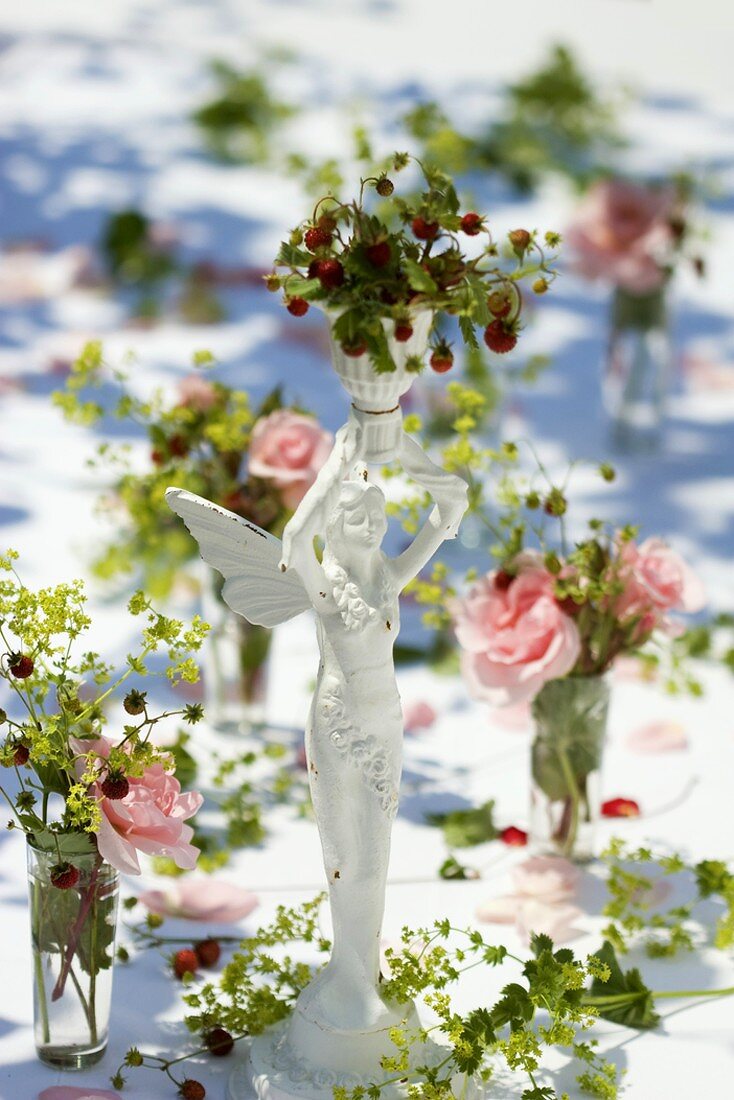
[150,818]
[288,449]
[622,233]
[658,576]
[197,393]
[514,636]
[201,899]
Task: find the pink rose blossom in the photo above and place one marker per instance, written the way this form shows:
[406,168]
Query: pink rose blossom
[514,637]
[622,233]
[197,393]
[150,818]
[418,716]
[658,577]
[658,737]
[202,900]
[289,449]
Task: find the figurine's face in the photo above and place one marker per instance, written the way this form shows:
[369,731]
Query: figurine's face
[366,524]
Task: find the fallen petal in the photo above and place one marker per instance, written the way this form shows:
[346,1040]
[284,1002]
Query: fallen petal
[620,807]
[660,736]
[549,919]
[514,837]
[201,899]
[72,1092]
[418,716]
[502,910]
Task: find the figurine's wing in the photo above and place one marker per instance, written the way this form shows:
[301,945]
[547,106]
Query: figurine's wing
[247,557]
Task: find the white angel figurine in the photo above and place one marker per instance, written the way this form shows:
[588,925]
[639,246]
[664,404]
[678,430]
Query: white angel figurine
[355,728]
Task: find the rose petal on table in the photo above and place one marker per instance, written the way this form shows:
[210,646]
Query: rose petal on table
[73,1092]
[201,899]
[546,878]
[548,919]
[620,807]
[514,837]
[418,715]
[662,736]
[503,910]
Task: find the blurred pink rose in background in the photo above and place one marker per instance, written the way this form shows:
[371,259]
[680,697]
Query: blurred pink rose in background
[656,575]
[622,232]
[514,636]
[288,449]
[201,899]
[150,818]
[197,393]
[418,715]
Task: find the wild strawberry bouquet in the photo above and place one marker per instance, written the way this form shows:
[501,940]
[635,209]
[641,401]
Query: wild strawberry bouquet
[375,263]
[89,788]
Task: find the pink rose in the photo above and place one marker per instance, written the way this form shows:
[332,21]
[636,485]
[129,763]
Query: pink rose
[514,636]
[622,233]
[197,393]
[289,449]
[200,899]
[150,818]
[661,577]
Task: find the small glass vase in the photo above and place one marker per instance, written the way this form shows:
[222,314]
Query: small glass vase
[638,368]
[235,664]
[570,720]
[73,941]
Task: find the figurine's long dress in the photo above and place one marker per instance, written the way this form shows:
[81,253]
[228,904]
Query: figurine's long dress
[354,751]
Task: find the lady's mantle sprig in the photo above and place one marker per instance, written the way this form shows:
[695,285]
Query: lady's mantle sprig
[371,269]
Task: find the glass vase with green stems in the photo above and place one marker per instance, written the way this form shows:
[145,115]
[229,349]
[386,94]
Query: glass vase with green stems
[73,926]
[570,723]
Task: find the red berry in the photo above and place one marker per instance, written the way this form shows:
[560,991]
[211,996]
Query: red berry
[157,457]
[115,786]
[620,807]
[21,754]
[207,952]
[317,237]
[297,306]
[499,304]
[499,338]
[313,269]
[403,332]
[64,876]
[471,224]
[185,962]
[503,580]
[354,350]
[330,273]
[192,1090]
[423,230]
[178,446]
[514,837]
[219,1042]
[378,254]
[20,665]
[442,360]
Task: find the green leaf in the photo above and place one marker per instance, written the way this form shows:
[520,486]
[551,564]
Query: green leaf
[466,326]
[624,998]
[465,828]
[452,870]
[419,279]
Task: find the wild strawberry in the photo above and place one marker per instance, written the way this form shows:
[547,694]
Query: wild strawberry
[540,286]
[384,187]
[330,274]
[115,786]
[317,237]
[378,254]
[499,304]
[620,807]
[272,281]
[503,580]
[21,755]
[20,665]
[519,239]
[514,837]
[219,1042]
[297,306]
[313,269]
[472,224]
[354,350]
[185,962]
[64,876]
[178,446]
[157,457]
[403,331]
[423,230]
[442,359]
[499,338]
[208,952]
[134,701]
[192,1090]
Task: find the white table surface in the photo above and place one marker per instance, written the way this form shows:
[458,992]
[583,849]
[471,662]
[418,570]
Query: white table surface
[93,102]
